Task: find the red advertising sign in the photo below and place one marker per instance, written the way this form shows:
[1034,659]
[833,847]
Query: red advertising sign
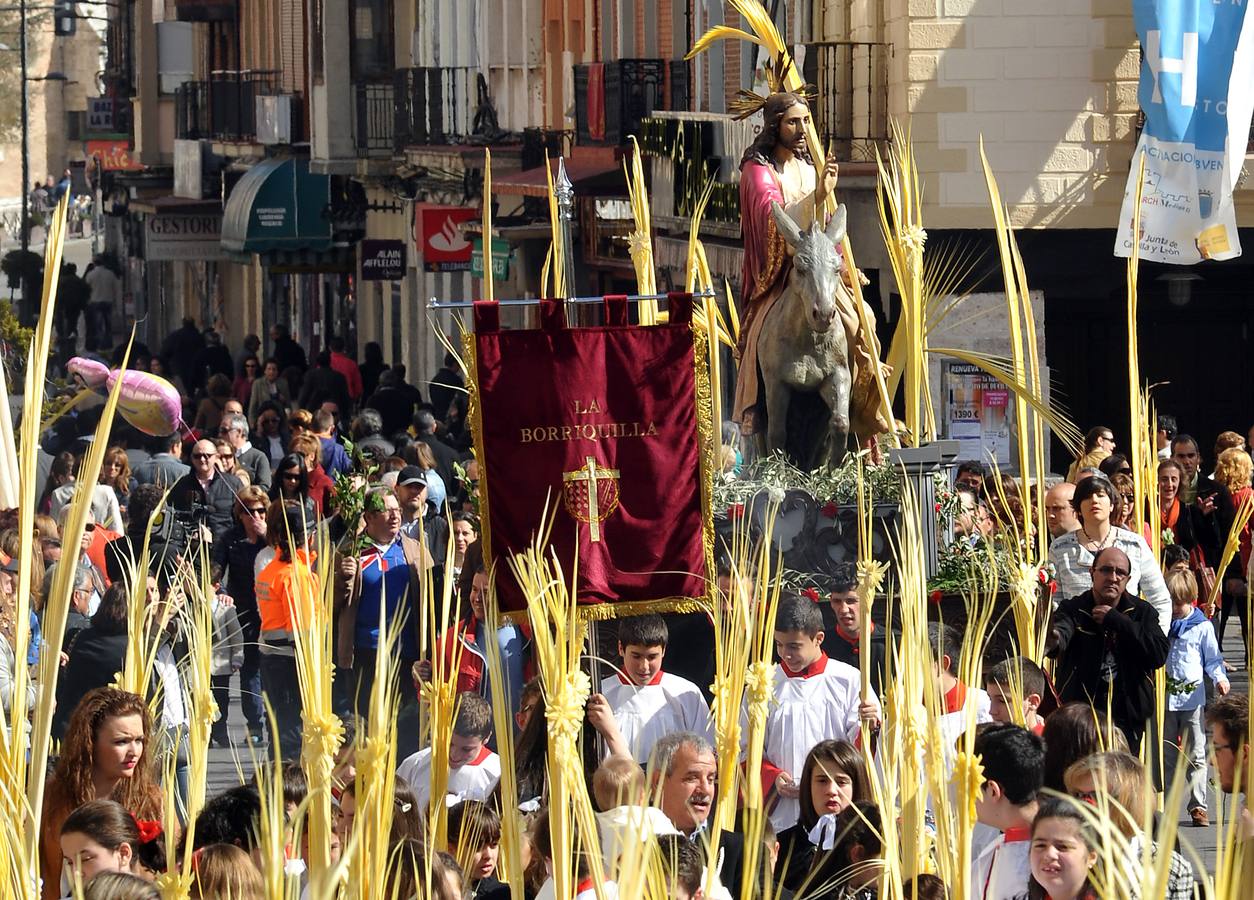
[113,155]
[443,246]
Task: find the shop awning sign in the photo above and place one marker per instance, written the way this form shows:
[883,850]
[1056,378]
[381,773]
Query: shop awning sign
[189,237]
[382,260]
[114,156]
[500,258]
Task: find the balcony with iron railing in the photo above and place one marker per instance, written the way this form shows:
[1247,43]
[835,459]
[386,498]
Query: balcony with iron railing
[612,98]
[374,113]
[435,105]
[226,107]
[851,110]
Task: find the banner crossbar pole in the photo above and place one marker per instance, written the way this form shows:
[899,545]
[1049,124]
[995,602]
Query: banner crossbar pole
[434,303]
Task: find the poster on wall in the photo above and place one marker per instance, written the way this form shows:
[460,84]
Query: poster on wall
[977,414]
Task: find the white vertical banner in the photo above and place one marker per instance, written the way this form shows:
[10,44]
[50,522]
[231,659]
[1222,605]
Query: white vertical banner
[1197,94]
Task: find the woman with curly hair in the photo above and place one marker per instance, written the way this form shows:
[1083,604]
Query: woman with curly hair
[1233,471]
[104,757]
[115,472]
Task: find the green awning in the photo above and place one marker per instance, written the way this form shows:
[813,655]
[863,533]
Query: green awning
[278,206]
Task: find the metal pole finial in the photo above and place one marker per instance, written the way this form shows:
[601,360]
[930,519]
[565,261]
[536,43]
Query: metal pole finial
[565,190]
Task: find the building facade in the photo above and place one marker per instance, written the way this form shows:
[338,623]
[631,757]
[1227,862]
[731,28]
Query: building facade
[365,122]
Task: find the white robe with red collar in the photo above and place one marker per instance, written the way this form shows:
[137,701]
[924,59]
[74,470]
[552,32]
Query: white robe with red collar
[1002,870]
[819,703]
[665,705]
[474,781]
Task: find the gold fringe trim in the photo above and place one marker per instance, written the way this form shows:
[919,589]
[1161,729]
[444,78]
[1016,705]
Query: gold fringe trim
[706,442]
[603,612]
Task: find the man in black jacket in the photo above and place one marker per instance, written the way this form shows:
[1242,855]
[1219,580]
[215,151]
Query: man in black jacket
[287,353]
[1108,644]
[208,487]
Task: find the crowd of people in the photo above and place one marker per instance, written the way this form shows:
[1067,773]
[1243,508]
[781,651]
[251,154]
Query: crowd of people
[281,453]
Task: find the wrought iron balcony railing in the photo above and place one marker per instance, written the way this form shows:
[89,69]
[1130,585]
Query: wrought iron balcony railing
[223,108]
[435,105]
[851,112]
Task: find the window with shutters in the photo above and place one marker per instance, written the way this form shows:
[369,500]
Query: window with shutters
[292,46]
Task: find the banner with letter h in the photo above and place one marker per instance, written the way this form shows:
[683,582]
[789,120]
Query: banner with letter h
[1197,94]
[608,429]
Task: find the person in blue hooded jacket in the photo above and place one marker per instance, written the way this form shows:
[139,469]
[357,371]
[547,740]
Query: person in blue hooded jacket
[1192,652]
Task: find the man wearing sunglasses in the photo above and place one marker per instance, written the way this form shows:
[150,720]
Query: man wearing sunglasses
[1108,644]
[207,486]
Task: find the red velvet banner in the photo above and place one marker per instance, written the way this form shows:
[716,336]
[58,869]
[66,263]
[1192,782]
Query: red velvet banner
[601,423]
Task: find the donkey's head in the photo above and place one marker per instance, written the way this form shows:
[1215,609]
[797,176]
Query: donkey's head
[816,266]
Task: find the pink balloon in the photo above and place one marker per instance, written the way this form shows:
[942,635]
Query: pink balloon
[148,402]
[94,374]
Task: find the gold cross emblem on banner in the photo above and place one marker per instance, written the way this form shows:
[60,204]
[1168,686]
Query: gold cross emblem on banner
[582,494]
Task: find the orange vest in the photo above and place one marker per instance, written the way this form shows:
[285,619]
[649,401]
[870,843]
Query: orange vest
[280,586]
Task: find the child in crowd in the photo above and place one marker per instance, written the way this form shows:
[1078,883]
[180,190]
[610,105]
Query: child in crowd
[647,702]
[925,887]
[228,658]
[833,777]
[1002,681]
[1117,784]
[848,862]
[542,847]
[527,700]
[1072,732]
[474,839]
[224,870]
[684,864]
[1062,853]
[618,787]
[1192,652]
[1175,558]
[474,770]
[844,641]
[956,697]
[816,699]
[1014,773]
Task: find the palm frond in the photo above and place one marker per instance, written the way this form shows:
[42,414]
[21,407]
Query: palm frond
[720,33]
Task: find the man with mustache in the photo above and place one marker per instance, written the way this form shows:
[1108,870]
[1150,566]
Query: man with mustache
[684,764]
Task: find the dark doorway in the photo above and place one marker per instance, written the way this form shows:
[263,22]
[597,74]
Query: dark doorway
[1194,337]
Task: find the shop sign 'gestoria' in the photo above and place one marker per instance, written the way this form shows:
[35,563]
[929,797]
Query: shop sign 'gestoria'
[184,237]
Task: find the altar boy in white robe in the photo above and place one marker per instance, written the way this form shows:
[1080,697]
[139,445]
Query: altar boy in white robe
[816,699]
[649,703]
